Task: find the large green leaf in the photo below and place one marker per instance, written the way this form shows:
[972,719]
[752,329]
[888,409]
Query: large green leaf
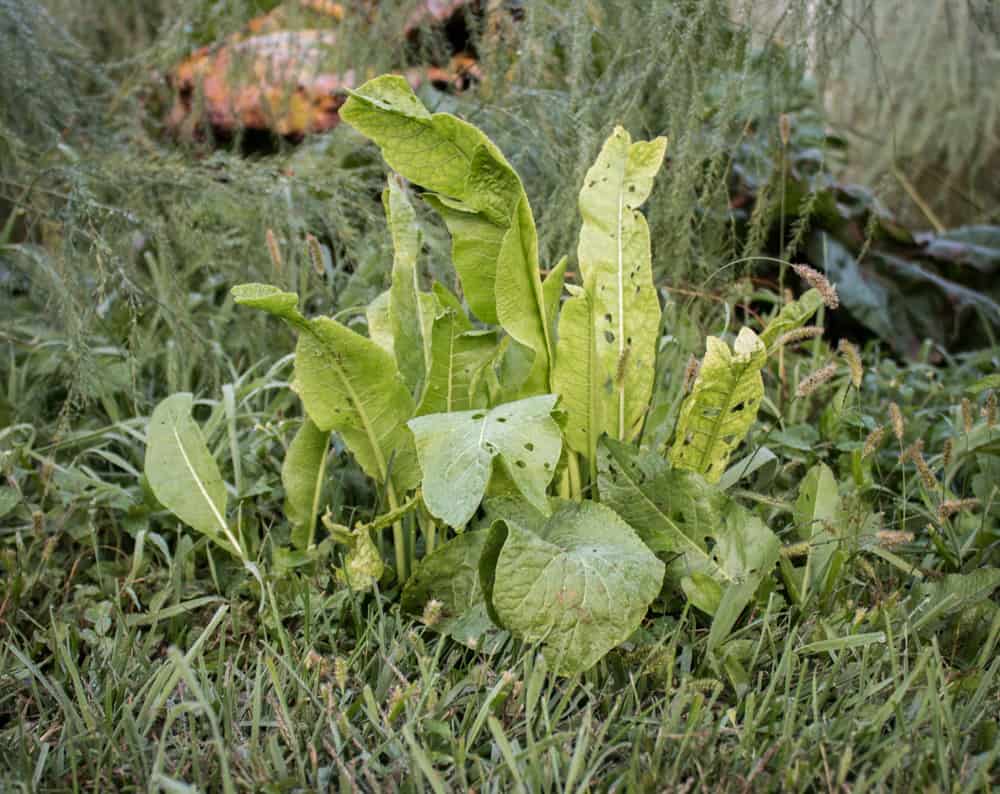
[722,405]
[457,451]
[183,474]
[303,474]
[579,585]
[615,262]
[348,384]
[450,575]
[411,311]
[815,509]
[677,514]
[480,198]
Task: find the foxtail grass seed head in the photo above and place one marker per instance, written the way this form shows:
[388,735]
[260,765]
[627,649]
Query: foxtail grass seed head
[274,250]
[946,452]
[340,672]
[926,475]
[799,335]
[898,425]
[815,380]
[949,507]
[315,254]
[785,129]
[853,359]
[890,538]
[873,441]
[432,612]
[990,409]
[967,418]
[819,282]
[690,373]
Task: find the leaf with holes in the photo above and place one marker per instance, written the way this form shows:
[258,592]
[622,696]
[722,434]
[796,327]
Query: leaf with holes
[183,474]
[722,405]
[457,452]
[615,262]
[579,584]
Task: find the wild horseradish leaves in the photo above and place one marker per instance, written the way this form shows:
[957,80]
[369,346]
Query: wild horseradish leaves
[458,356]
[411,311]
[183,474]
[480,198]
[450,576]
[577,374]
[722,405]
[579,585]
[614,256]
[303,476]
[350,385]
[457,451]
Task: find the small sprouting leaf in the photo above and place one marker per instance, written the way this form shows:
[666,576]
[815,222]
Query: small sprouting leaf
[363,566]
[615,262]
[183,474]
[580,585]
[457,451]
[816,507]
[350,385]
[722,405]
[450,576]
[303,476]
[792,316]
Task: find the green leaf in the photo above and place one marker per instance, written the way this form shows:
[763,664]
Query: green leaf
[411,311]
[481,200]
[458,354]
[722,405]
[450,575]
[615,262]
[579,586]
[303,476]
[350,385]
[792,316]
[576,377]
[984,384]
[815,510]
[457,452]
[677,513]
[183,474]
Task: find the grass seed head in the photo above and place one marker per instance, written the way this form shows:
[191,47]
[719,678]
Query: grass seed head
[968,419]
[873,441]
[799,335]
[819,282]
[898,425]
[853,359]
[816,379]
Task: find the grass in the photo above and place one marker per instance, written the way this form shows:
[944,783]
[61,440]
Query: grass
[134,656]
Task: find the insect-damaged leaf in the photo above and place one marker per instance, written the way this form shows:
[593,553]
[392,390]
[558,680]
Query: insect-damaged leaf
[480,198]
[350,385]
[615,262]
[577,373]
[457,451]
[722,405]
[183,474]
[677,513]
[303,476]
[450,575]
[579,584]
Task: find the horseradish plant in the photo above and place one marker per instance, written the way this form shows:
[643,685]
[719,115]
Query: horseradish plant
[513,437]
